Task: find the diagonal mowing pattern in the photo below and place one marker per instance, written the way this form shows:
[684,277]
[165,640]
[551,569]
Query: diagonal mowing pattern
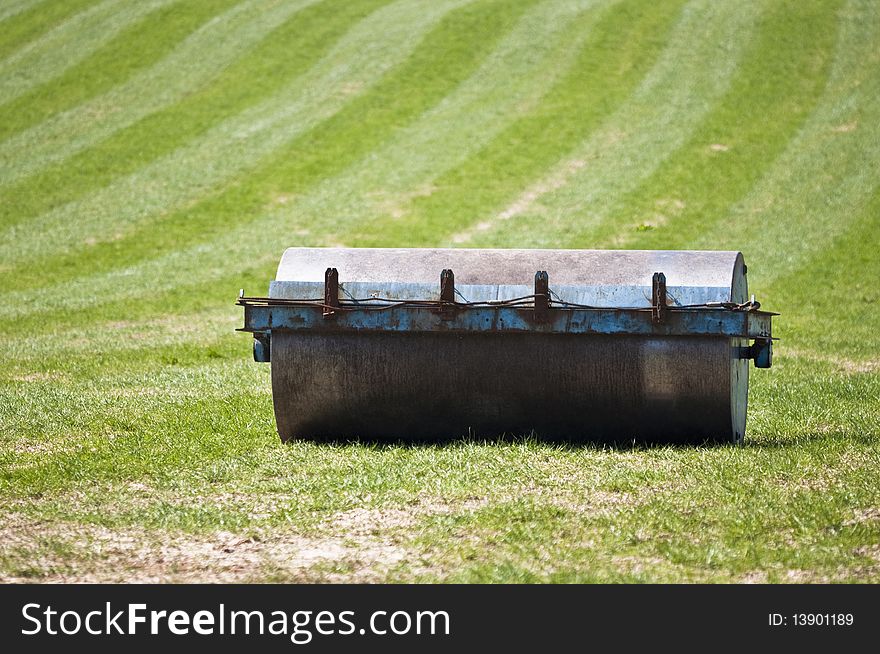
[196,60]
[137,46]
[130,410]
[693,73]
[232,145]
[71,42]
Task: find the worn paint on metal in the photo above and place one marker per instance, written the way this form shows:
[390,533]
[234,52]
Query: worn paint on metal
[392,342]
[678,322]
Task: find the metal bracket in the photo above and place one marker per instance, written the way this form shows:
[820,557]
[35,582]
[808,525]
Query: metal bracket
[447,292]
[542,296]
[262,349]
[331,292]
[658,297]
[761,352]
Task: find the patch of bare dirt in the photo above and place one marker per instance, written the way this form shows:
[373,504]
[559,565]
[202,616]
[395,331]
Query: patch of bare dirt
[797,576]
[95,554]
[800,576]
[593,502]
[870,551]
[56,445]
[859,366]
[38,377]
[569,491]
[846,127]
[395,204]
[361,541]
[526,201]
[282,198]
[366,522]
[636,565]
[358,544]
[438,506]
[351,88]
[813,482]
[863,516]
[754,577]
[842,363]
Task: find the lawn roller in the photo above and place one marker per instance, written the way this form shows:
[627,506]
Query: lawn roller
[613,345]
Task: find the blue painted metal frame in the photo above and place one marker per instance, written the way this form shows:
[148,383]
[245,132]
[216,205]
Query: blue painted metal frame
[677,322]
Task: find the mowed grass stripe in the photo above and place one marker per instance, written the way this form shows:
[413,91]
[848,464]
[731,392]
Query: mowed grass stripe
[136,47]
[196,60]
[776,88]
[201,261]
[839,315]
[620,48]
[347,136]
[164,383]
[690,76]
[34,21]
[379,186]
[217,294]
[87,348]
[328,147]
[72,41]
[260,72]
[332,144]
[14,7]
[829,170]
[366,53]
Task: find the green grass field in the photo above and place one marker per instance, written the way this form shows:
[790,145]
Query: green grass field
[157,156]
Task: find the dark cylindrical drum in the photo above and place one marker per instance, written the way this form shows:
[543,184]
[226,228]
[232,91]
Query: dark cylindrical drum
[330,382]
[572,386]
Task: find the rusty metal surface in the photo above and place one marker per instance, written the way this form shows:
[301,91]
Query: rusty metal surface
[542,296]
[435,385]
[276,315]
[658,297]
[331,292]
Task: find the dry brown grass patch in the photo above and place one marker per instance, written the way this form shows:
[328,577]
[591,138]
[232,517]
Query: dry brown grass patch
[95,554]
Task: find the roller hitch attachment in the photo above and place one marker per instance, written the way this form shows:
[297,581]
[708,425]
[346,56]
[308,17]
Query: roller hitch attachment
[761,352]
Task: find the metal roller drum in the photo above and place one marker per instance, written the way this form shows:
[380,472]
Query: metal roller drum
[574,344]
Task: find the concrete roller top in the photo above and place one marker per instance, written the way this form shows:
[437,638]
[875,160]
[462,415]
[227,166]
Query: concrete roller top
[601,278]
